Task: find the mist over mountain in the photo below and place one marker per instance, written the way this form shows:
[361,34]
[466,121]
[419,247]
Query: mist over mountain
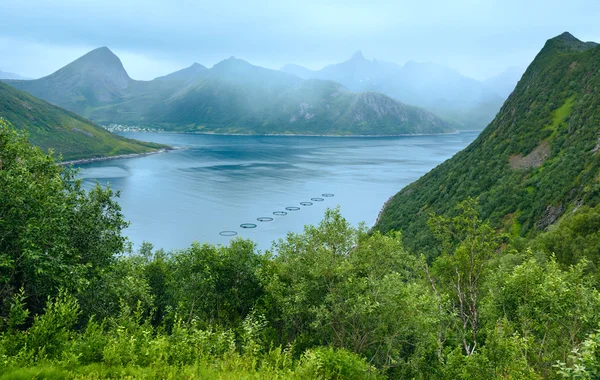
[233,96]
[463,101]
[538,160]
[504,83]
[6,75]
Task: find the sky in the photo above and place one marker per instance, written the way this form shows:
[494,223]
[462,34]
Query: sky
[155,37]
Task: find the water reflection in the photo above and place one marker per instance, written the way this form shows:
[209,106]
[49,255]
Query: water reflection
[219,182]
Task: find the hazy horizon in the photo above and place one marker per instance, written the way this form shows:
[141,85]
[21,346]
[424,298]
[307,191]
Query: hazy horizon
[478,39]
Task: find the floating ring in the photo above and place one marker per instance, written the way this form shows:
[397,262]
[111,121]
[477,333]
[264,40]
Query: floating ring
[264,219]
[280,213]
[306,203]
[227,233]
[292,208]
[327,195]
[317,199]
[248,225]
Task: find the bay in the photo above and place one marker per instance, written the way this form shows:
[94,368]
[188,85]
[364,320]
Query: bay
[214,183]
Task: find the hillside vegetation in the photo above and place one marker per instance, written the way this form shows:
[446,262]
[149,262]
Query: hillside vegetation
[231,97]
[537,161]
[69,135]
[332,302]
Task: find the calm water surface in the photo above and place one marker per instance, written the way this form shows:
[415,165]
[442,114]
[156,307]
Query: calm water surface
[216,183]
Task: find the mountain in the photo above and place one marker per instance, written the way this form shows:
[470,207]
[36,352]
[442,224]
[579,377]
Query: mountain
[184,75]
[463,101]
[5,75]
[94,79]
[538,160]
[297,70]
[504,83]
[231,97]
[68,134]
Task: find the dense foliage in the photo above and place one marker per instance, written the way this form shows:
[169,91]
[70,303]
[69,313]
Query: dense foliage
[69,135]
[536,161]
[332,302]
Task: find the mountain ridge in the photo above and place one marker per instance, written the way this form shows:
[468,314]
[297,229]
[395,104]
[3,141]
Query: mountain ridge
[463,101]
[535,162]
[233,96]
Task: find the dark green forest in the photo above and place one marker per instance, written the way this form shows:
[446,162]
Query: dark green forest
[537,161]
[333,302]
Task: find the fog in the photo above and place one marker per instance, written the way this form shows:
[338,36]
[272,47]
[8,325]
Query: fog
[478,38]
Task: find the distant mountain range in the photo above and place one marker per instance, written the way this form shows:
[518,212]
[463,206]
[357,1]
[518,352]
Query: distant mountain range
[537,161]
[5,75]
[70,135]
[465,102]
[504,83]
[231,97]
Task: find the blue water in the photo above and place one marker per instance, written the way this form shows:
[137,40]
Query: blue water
[215,183]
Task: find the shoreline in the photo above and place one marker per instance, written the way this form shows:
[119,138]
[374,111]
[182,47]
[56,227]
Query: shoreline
[107,158]
[300,135]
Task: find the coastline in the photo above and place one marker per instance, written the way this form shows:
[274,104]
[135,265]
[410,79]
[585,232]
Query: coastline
[301,135]
[107,158]
[306,135]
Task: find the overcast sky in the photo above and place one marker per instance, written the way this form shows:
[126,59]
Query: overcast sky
[153,38]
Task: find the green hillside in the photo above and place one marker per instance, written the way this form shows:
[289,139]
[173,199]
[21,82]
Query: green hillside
[231,97]
[308,107]
[535,162]
[72,136]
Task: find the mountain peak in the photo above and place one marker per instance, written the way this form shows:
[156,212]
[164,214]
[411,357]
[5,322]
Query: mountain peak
[99,74]
[566,36]
[185,74]
[564,43]
[358,55]
[232,63]
[102,53]
[101,61]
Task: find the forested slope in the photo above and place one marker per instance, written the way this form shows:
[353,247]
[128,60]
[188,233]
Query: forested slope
[537,160]
[70,135]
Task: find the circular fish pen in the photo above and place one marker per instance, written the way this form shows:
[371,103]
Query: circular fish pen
[317,199]
[327,195]
[227,233]
[264,219]
[280,213]
[248,225]
[306,203]
[292,208]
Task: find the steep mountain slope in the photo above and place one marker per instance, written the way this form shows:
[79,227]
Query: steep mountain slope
[68,134]
[465,102]
[96,78]
[231,97]
[538,159]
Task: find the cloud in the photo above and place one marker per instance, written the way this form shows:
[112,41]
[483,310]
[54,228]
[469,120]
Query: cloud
[480,38]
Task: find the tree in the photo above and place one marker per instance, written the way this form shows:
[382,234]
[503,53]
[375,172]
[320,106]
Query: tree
[53,234]
[337,285]
[468,245]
